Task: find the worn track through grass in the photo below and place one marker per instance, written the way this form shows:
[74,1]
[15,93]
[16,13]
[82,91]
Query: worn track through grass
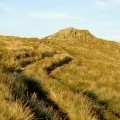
[34,87]
[46,68]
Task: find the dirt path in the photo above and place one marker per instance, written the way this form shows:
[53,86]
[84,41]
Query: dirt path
[57,64]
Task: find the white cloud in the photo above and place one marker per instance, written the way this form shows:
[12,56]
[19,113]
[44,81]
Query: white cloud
[53,15]
[39,14]
[47,15]
[107,3]
[7,9]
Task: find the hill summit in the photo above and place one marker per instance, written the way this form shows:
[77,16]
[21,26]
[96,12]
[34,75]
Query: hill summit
[72,33]
[70,75]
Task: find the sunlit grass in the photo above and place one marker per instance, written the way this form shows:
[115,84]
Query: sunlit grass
[79,72]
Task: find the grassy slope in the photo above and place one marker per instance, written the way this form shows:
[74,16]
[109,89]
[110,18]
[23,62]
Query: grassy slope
[79,72]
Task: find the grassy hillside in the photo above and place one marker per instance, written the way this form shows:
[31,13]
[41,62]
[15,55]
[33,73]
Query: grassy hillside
[70,75]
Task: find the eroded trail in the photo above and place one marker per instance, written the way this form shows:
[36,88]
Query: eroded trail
[57,64]
[30,90]
[43,101]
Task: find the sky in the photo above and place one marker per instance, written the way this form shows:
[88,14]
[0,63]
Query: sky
[39,18]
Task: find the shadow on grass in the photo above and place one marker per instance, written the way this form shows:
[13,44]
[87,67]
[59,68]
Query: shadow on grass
[95,98]
[25,87]
[58,63]
[101,106]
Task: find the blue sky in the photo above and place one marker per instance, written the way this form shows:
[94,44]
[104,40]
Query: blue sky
[38,18]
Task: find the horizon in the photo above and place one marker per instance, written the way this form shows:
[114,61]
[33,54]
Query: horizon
[43,18]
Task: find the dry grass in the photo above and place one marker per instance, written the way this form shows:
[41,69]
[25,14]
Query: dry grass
[77,71]
[11,109]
